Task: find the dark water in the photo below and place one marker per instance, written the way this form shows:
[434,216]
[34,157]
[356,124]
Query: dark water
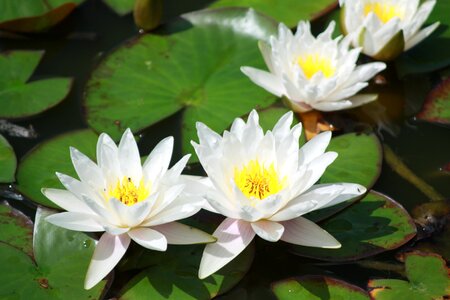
[73,49]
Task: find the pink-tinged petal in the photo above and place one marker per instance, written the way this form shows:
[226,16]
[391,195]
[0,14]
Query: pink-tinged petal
[158,160]
[233,236]
[149,238]
[180,234]
[108,252]
[301,231]
[314,148]
[129,157]
[76,221]
[268,230]
[266,80]
[66,200]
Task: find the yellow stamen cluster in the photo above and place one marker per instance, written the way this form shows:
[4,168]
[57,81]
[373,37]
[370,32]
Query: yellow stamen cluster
[256,181]
[385,11]
[128,193]
[313,63]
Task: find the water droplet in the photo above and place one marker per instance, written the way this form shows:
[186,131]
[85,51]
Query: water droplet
[87,243]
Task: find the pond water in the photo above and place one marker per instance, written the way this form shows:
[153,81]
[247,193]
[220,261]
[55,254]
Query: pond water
[73,49]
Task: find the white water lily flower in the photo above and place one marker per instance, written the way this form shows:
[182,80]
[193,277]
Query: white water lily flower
[263,184]
[313,73]
[127,200]
[386,28]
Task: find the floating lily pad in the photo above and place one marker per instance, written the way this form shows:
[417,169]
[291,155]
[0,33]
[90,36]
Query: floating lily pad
[317,288]
[38,167]
[428,278]
[61,261]
[121,7]
[359,160]
[174,275]
[287,11]
[8,161]
[34,16]
[437,106]
[193,64]
[433,53]
[373,225]
[20,98]
[16,229]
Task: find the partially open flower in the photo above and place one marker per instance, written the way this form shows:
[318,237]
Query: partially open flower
[386,28]
[263,184]
[313,73]
[127,200]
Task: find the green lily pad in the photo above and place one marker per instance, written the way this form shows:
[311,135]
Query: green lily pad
[174,275]
[20,98]
[16,229]
[370,226]
[433,53]
[428,278]
[61,261]
[317,288]
[121,7]
[437,106]
[8,161]
[34,16]
[359,160]
[38,167]
[193,64]
[288,11]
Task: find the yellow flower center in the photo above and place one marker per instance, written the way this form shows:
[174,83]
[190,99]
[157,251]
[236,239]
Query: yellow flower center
[313,63]
[384,11]
[128,193]
[256,181]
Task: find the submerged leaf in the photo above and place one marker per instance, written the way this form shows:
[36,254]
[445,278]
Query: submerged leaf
[16,229]
[436,108]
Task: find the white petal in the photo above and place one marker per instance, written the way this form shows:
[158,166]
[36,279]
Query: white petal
[314,148]
[66,200]
[108,252]
[264,79]
[108,159]
[129,158]
[421,35]
[362,99]
[332,106]
[178,210]
[268,230]
[76,221]
[149,238]
[266,52]
[315,170]
[349,191]
[87,170]
[301,231]
[173,174]
[180,234]
[77,188]
[282,129]
[158,160]
[233,236]
[364,73]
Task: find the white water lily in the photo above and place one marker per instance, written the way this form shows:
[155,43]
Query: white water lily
[313,73]
[386,28]
[127,200]
[263,184]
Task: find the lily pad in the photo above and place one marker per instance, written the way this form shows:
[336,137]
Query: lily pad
[174,275]
[17,229]
[288,11]
[317,288]
[437,106]
[61,261]
[434,52]
[359,160]
[38,167]
[428,278]
[34,16]
[121,7]
[370,226]
[193,64]
[20,98]
[8,161]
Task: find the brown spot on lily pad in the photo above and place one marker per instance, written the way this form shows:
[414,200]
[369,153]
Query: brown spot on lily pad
[436,108]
